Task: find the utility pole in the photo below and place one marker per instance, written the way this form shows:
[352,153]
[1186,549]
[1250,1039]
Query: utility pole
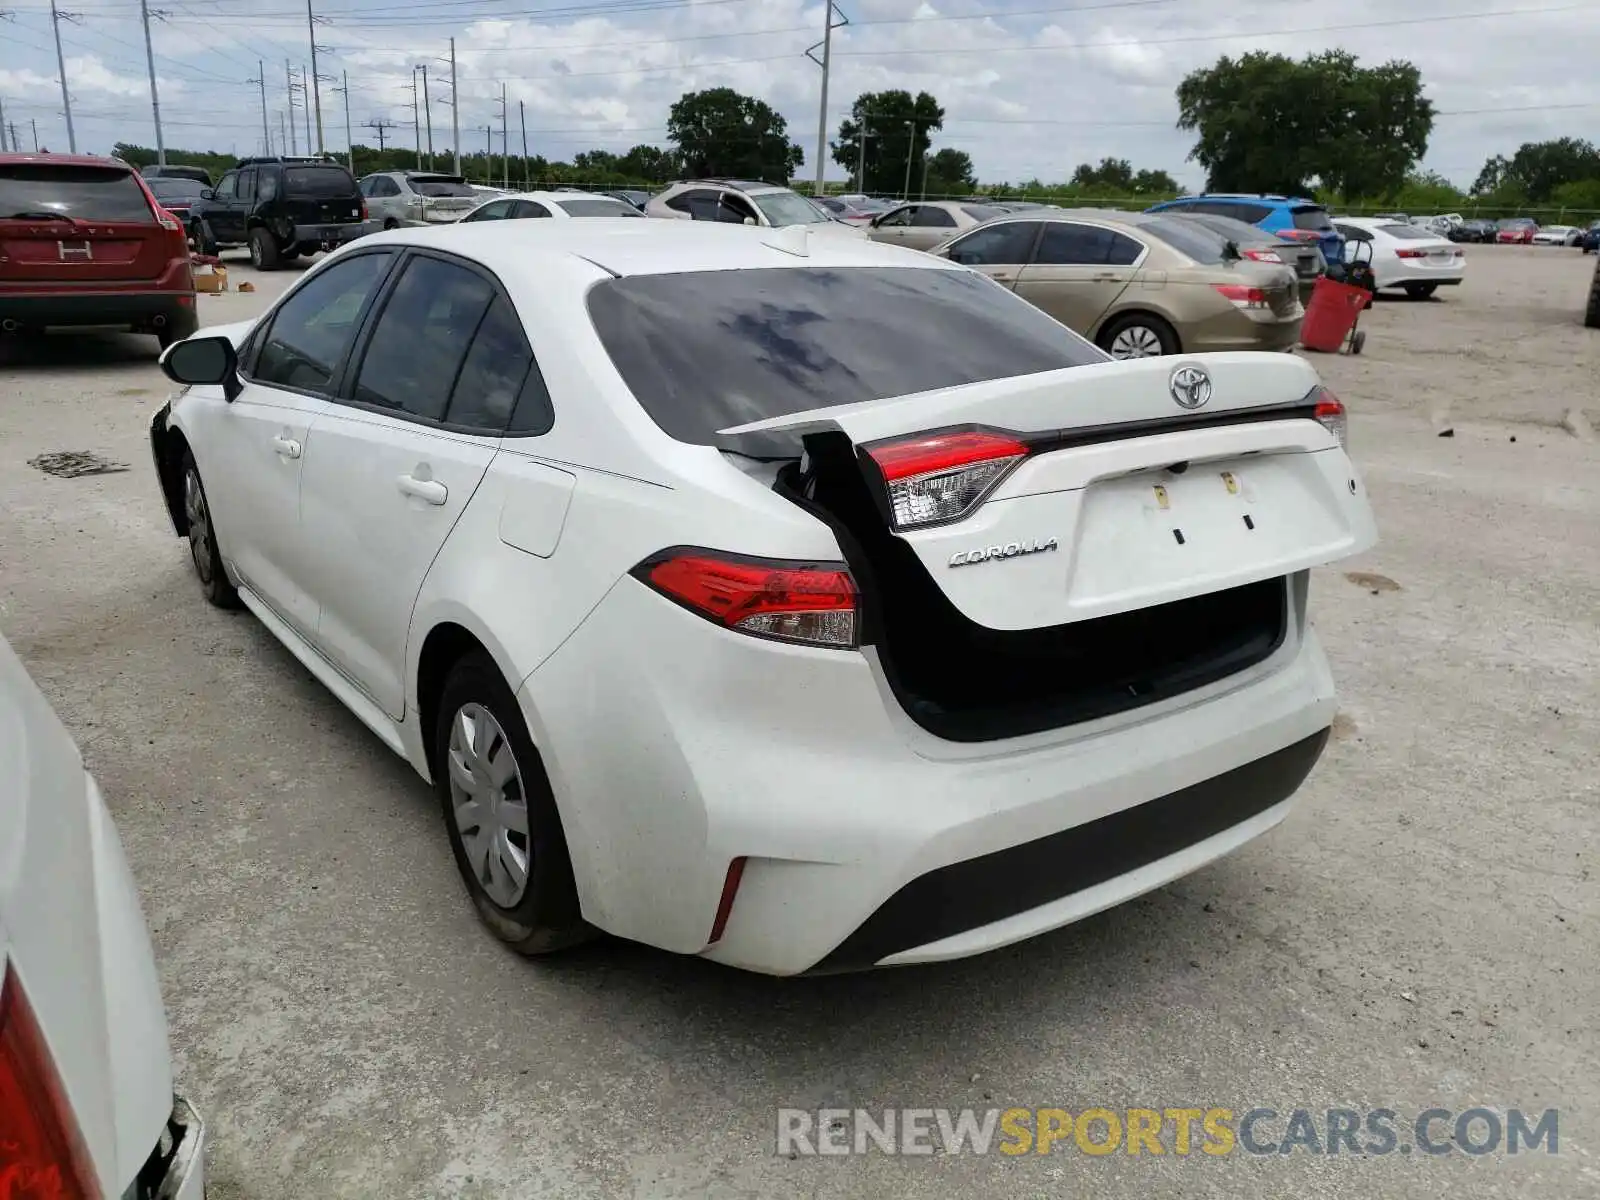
[427,111]
[305,103]
[505,144]
[455,110]
[522,119]
[56,17]
[283,138]
[861,161]
[381,127]
[3,145]
[316,90]
[288,83]
[826,63]
[416,117]
[155,99]
[488,154]
[925,157]
[350,142]
[261,81]
[33,121]
[911,149]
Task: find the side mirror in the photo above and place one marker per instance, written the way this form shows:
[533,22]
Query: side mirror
[749,220]
[203,360]
[207,194]
[874,222]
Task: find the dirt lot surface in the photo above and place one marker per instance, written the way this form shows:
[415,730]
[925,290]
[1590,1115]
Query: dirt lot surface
[1423,930]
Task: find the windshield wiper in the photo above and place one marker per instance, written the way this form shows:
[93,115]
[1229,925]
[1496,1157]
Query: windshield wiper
[42,214]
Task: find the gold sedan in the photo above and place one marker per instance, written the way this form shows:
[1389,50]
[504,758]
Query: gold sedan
[924,224]
[1137,284]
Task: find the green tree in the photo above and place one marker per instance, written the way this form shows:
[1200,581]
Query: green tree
[950,173]
[719,132]
[1155,183]
[1270,123]
[1538,169]
[897,129]
[649,164]
[1113,174]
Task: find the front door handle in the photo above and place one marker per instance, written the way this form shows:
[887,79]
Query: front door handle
[1001,278]
[287,447]
[430,490]
[1105,277]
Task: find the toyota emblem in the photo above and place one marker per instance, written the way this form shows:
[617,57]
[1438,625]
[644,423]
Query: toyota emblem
[1190,387]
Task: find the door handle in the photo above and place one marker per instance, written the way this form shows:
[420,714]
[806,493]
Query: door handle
[999,278]
[1105,277]
[287,447]
[430,490]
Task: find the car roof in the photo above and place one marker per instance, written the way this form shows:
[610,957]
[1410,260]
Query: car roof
[626,246]
[554,197]
[1270,199]
[738,185]
[64,160]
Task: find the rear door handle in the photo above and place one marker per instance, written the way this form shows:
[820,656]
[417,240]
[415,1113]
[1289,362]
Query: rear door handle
[998,278]
[1105,277]
[430,490]
[287,447]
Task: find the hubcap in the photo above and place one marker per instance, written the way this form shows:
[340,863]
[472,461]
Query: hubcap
[194,507]
[1136,341]
[489,805]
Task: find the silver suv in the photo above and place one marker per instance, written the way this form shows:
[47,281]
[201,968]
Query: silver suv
[743,203]
[397,199]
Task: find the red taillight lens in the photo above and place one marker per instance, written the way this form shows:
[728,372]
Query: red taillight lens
[1299,235]
[167,221]
[1242,296]
[1330,414]
[1266,256]
[730,889]
[363,210]
[1411,254]
[41,1152]
[942,477]
[811,603]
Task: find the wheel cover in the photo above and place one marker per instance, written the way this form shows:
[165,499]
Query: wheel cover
[194,508]
[489,805]
[1136,341]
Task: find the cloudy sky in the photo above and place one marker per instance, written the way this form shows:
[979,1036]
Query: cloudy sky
[1029,87]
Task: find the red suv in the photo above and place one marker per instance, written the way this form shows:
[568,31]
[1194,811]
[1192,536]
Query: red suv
[83,242]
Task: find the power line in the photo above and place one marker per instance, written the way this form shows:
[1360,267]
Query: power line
[381,127]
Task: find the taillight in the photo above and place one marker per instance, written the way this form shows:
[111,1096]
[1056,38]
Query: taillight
[1331,416]
[41,1150]
[1242,296]
[1299,235]
[167,221]
[1266,256]
[944,476]
[364,210]
[1411,254]
[811,603]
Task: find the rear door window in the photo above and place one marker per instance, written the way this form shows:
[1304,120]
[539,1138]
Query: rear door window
[1007,244]
[1124,251]
[705,350]
[86,193]
[1189,238]
[1312,217]
[493,372]
[421,339]
[495,210]
[313,329]
[318,180]
[527,209]
[1066,244]
[246,184]
[931,216]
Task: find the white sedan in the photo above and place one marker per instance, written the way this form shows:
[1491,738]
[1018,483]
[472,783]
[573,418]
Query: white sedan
[561,205]
[1403,256]
[86,1103]
[799,602]
[1557,235]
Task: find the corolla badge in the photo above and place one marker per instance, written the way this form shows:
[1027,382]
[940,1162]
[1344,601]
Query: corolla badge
[971,558]
[1190,386]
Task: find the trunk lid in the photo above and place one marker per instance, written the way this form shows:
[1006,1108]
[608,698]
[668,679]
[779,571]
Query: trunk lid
[1125,500]
[70,224]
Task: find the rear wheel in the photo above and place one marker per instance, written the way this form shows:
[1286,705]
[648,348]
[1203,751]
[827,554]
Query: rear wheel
[500,814]
[1591,316]
[1421,291]
[264,253]
[201,239]
[203,549]
[1138,335]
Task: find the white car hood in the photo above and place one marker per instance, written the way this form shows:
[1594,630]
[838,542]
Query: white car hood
[72,930]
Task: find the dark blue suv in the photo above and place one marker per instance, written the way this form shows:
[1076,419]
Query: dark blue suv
[1294,220]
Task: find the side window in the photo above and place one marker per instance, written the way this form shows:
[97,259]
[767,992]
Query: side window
[1009,243]
[267,185]
[900,216]
[312,330]
[528,208]
[1124,251]
[366,185]
[417,347]
[388,187]
[735,209]
[227,187]
[247,184]
[1065,244]
[932,216]
[491,377]
[1251,213]
[693,202]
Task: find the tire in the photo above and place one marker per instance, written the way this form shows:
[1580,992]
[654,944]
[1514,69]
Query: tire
[179,327]
[1358,341]
[1148,335]
[540,913]
[390,223]
[201,237]
[203,549]
[264,252]
[1591,315]
[1421,291]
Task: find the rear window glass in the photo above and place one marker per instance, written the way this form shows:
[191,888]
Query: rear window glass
[176,189]
[1311,218]
[595,207]
[1410,233]
[980,212]
[85,193]
[318,181]
[442,185]
[707,350]
[1199,242]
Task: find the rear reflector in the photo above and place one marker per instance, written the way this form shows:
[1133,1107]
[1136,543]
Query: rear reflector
[1242,296]
[810,603]
[730,889]
[942,477]
[1330,414]
[1266,256]
[41,1150]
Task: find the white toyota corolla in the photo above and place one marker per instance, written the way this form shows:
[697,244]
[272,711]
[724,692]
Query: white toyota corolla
[799,602]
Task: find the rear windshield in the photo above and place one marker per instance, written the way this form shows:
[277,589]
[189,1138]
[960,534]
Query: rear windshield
[707,350]
[592,206]
[87,193]
[175,188]
[1515,222]
[1410,233]
[318,181]
[440,185]
[982,212]
[1312,218]
[1199,242]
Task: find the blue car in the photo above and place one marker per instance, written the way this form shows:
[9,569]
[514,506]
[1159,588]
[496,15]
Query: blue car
[1294,220]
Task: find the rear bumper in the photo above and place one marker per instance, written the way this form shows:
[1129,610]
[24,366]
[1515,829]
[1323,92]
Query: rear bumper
[1240,330]
[97,308]
[176,1168]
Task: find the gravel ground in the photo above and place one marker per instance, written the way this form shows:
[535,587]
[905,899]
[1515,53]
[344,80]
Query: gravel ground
[1421,932]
